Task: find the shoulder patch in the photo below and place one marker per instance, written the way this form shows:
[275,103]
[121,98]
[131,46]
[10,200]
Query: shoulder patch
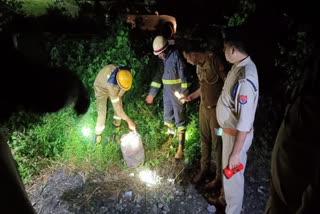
[242,73]
[243,99]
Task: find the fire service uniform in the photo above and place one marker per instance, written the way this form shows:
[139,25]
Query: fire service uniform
[105,87]
[174,80]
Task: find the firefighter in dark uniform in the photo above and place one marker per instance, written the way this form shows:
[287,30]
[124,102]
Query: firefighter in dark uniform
[175,89]
[210,72]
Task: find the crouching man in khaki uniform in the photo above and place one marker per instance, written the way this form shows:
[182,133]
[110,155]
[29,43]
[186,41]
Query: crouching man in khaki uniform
[112,82]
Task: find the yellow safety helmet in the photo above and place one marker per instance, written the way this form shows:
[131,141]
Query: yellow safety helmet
[124,79]
[160,44]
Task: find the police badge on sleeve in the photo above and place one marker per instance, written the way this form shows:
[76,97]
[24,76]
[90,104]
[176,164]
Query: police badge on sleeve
[243,99]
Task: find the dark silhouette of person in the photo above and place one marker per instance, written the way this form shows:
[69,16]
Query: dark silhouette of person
[295,166]
[35,88]
[295,162]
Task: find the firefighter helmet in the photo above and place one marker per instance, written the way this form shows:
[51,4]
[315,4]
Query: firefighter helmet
[124,79]
[160,44]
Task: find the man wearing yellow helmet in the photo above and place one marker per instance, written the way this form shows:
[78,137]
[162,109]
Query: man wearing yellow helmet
[112,81]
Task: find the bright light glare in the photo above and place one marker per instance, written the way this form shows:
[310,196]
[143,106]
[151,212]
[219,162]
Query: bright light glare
[187,135]
[86,131]
[177,94]
[149,177]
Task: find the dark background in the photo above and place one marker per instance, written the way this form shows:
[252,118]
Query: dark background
[272,23]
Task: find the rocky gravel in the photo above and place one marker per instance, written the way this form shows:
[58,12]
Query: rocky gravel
[65,191]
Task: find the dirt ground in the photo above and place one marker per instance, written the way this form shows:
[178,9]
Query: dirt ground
[66,191]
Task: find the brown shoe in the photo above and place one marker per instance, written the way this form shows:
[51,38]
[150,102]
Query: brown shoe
[200,176]
[215,184]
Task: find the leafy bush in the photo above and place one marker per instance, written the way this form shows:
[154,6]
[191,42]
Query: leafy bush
[37,139]
[244,10]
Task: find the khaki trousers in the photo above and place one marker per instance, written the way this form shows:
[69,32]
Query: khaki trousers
[234,187]
[209,141]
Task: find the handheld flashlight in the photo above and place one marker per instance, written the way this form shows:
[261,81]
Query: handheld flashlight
[230,172]
[180,98]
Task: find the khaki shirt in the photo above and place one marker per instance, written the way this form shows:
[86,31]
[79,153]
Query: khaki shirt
[238,101]
[210,81]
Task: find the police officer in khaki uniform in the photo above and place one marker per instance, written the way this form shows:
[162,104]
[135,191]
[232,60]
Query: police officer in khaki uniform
[210,72]
[235,113]
[111,82]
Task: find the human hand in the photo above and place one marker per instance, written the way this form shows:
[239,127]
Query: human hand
[189,98]
[132,125]
[183,98]
[234,160]
[149,99]
[180,97]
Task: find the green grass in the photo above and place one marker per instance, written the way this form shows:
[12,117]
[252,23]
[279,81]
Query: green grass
[58,136]
[39,7]
[35,7]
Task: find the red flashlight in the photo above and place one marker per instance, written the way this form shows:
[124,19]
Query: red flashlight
[230,172]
